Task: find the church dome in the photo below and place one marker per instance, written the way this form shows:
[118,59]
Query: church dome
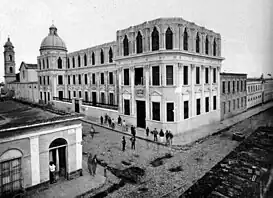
[53,41]
[8,43]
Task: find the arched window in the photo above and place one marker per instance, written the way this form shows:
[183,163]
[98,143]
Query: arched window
[197,43]
[101,57]
[125,46]
[214,48]
[10,57]
[73,62]
[79,61]
[10,70]
[207,45]
[169,39]
[93,58]
[60,63]
[155,40]
[139,43]
[68,63]
[85,60]
[185,40]
[58,142]
[110,55]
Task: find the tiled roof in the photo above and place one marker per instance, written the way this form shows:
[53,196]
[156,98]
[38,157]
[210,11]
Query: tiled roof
[31,66]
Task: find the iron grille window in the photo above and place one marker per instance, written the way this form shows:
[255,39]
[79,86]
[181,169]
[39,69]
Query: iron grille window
[185,75]
[156,111]
[155,73]
[169,75]
[126,76]
[11,176]
[126,107]
[110,78]
[198,106]
[170,112]
[186,109]
[197,75]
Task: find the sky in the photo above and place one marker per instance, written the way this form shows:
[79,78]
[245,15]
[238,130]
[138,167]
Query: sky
[246,26]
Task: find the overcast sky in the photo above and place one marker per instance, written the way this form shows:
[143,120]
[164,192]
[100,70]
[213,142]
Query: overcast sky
[245,26]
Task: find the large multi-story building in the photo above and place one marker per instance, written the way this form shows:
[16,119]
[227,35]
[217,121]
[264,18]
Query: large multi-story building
[233,94]
[268,89]
[254,92]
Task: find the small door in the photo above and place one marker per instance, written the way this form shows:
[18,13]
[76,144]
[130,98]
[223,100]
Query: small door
[77,106]
[141,114]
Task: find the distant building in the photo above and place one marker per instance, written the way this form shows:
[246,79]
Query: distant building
[9,62]
[233,94]
[254,92]
[268,89]
[27,149]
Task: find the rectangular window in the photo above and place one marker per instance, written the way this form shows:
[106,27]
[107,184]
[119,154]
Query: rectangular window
[245,85]
[48,96]
[40,79]
[155,76]
[185,75]
[214,75]
[68,80]
[80,79]
[198,106]
[126,77]
[69,94]
[186,109]
[93,79]
[68,63]
[111,96]
[60,80]
[102,98]
[233,86]
[86,96]
[80,94]
[74,93]
[102,78]
[242,101]
[245,101]
[224,87]
[207,104]
[207,75]
[156,111]
[238,103]
[228,86]
[238,86]
[170,112]
[229,106]
[44,80]
[111,78]
[41,95]
[234,104]
[197,75]
[74,79]
[214,103]
[48,80]
[242,85]
[85,79]
[126,107]
[139,76]
[169,75]
[224,107]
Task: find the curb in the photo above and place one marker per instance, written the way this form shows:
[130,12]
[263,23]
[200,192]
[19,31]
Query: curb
[91,190]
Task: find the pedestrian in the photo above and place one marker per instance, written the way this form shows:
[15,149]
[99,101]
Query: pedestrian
[113,123]
[89,164]
[94,164]
[123,125]
[123,142]
[106,118]
[167,135]
[155,135]
[132,129]
[109,121]
[147,131]
[101,120]
[133,142]
[119,120]
[92,131]
[52,169]
[161,135]
[171,137]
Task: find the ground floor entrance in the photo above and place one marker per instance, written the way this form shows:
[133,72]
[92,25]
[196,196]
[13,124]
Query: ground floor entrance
[94,98]
[77,106]
[141,114]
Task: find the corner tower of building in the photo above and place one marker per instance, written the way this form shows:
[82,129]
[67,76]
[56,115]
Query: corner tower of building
[9,62]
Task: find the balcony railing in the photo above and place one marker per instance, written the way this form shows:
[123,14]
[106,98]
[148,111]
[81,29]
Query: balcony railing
[101,105]
[63,99]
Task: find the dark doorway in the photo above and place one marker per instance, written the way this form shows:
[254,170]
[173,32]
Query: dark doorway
[141,114]
[94,98]
[45,96]
[77,106]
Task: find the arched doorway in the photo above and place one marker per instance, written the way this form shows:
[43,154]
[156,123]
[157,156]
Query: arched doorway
[58,155]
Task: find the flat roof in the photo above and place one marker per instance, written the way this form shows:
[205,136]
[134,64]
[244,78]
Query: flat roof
[232,74]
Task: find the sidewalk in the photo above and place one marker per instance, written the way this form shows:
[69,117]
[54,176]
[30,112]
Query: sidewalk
[192,135]
[75,187]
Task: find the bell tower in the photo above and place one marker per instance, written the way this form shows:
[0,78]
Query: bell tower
[9,62]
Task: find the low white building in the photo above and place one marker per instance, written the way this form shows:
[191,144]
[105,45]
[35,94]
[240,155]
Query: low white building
[254,92]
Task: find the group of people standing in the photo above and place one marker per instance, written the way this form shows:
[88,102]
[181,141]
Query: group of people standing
[168,135]
[132,139]
[107,120]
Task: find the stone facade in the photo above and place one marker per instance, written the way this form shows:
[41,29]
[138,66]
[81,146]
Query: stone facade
[233,94]
[254,92]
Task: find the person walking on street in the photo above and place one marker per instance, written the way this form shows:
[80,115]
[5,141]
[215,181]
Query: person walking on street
[161,135]
[171,138]
[155,135]
[133,141]
[92,131]
[89,164]
[123,125]
[167,135]
[109,121]
[119,120]
[94,164]
[106,118]
[147,131]
[123,142]
[101,120]
[113,123]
